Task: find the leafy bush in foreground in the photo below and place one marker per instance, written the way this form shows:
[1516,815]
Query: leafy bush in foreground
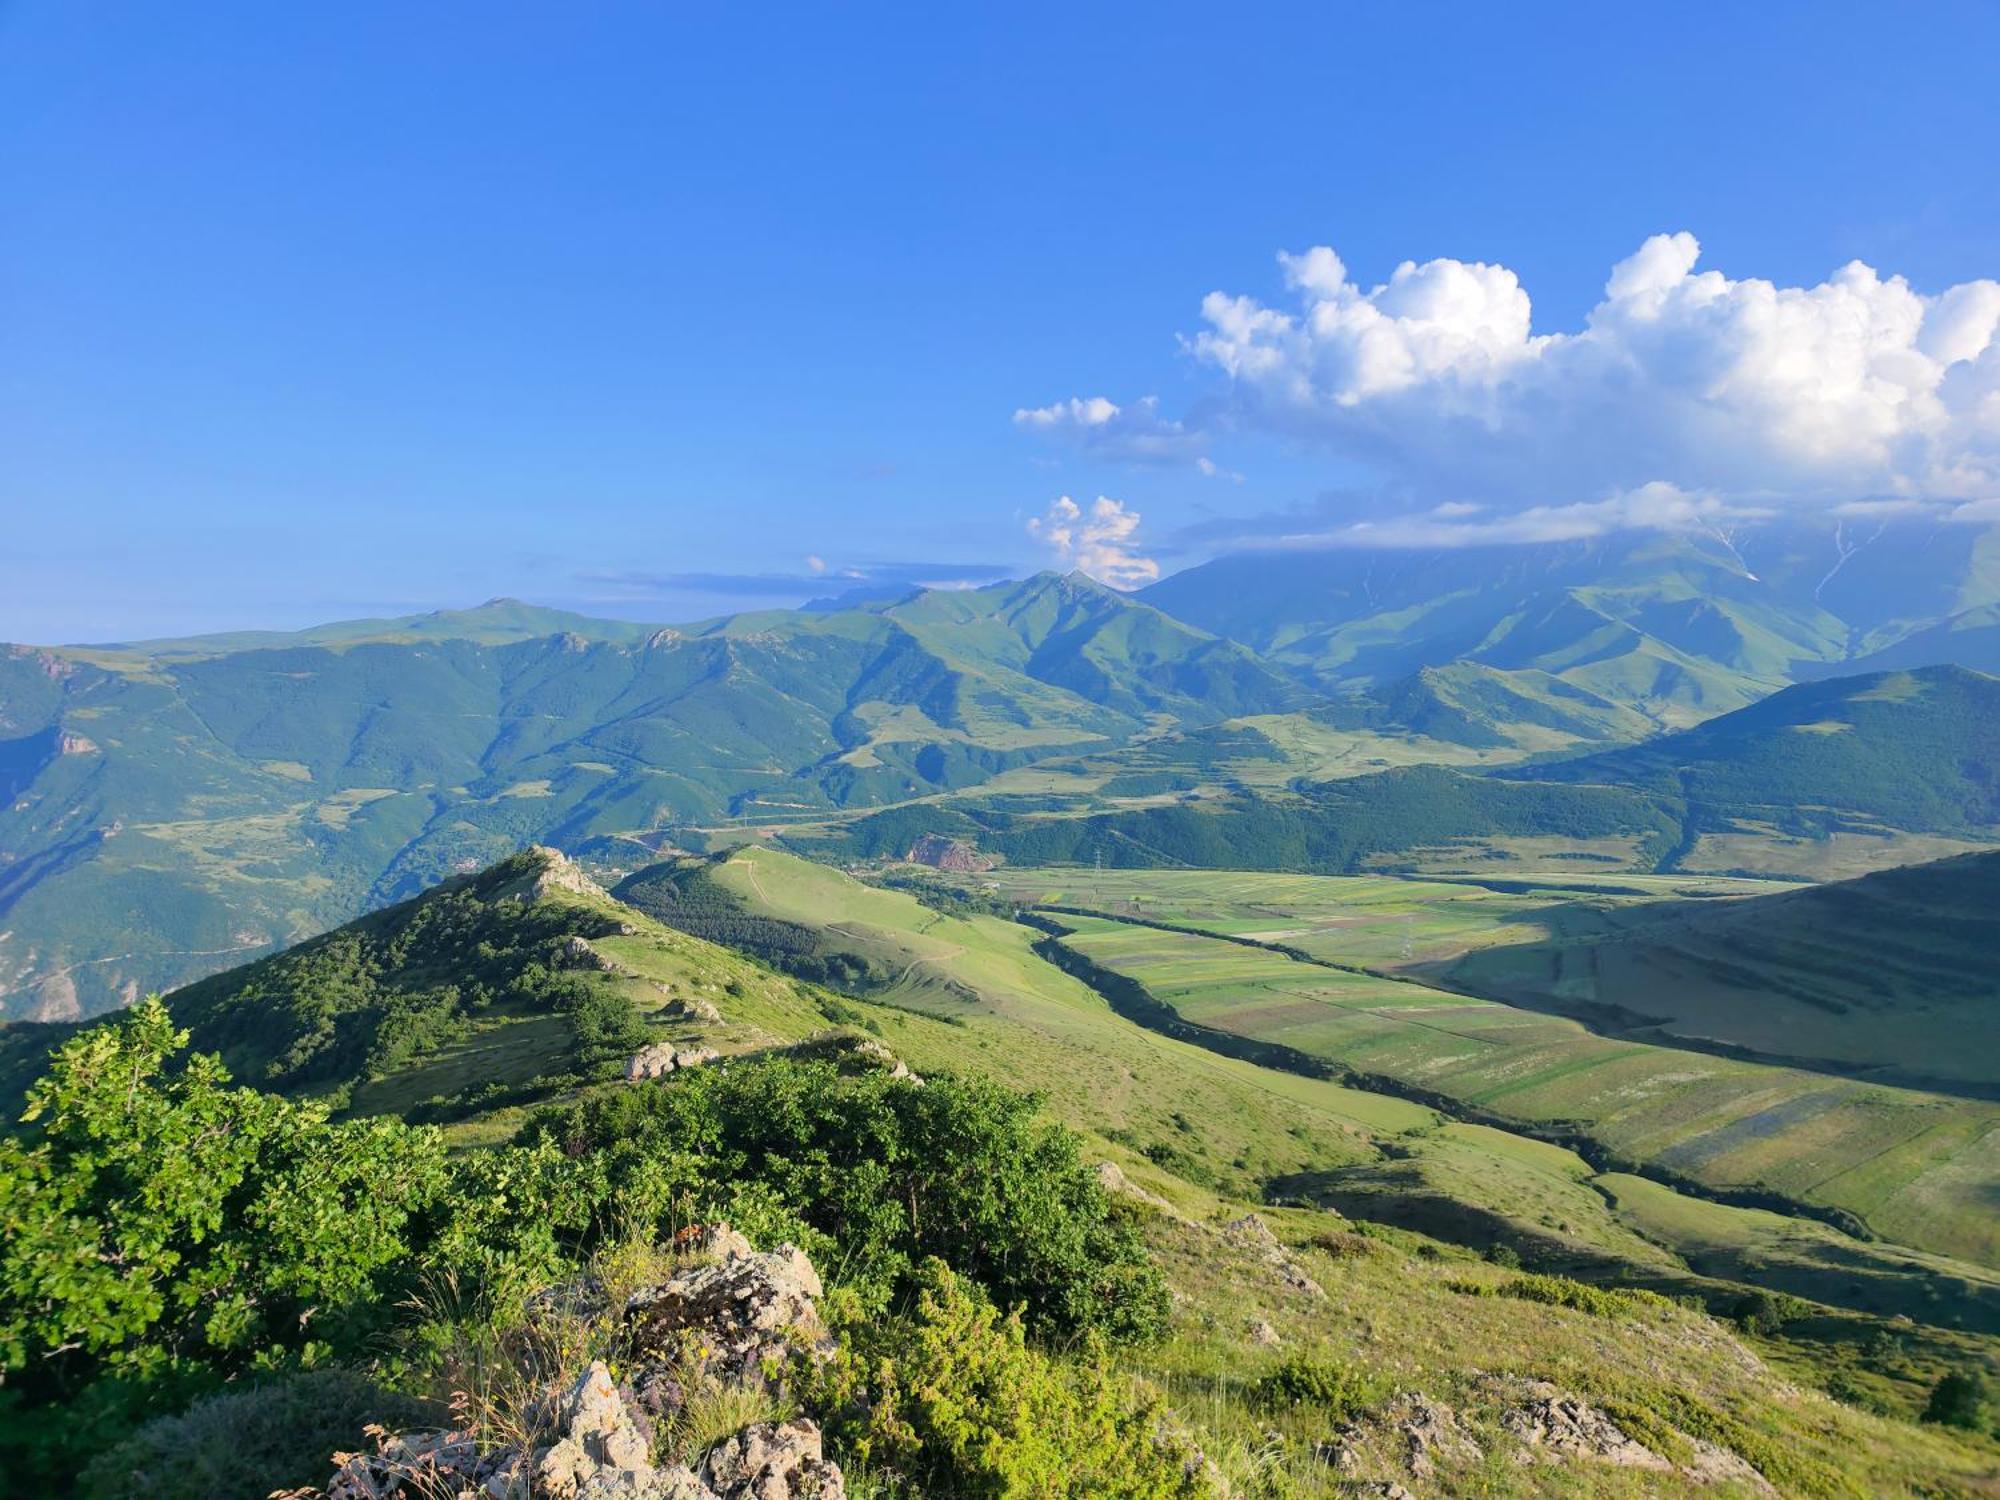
[953,1400]
[164,1234]
[879,1174]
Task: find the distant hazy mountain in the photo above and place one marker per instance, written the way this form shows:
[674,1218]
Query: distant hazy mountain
[1677,625]
[169,808]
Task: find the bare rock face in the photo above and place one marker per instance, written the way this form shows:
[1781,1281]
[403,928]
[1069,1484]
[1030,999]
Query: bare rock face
[942,853]
[753,1313]
[1554,1423]
[654,1060]
[1251,1233]
[597,1435]
[766,1461]
[560,873]
[657,1059]
[1431,1431]
[1111,1177]
[738,1319]
[693,1008]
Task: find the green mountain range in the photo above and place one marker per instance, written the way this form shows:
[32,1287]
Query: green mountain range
[1678,625]
[170,807]
[1826,778]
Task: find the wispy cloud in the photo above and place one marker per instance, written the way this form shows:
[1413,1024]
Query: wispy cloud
[818,578]
[1132,434]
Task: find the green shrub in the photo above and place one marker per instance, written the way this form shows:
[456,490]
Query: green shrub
[1766,1313]
[873,1175]
[1964,1399]
[1560,1291]
[162,1233]
[1504,1255]
[276,1434]
[1340,1391]
[952,1400]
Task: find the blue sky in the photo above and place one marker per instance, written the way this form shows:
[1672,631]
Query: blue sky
[315,311]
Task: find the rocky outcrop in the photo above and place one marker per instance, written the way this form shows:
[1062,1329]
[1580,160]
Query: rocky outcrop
[657,1059]
[731,1318]
[854,1054]
[689,1008]
[1251,1233]
[1430,1432]
[1555,1424]
[768,1461]
[1111,1177]
[753,1313]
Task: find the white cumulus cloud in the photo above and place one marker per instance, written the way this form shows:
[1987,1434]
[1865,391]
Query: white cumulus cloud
[1100,540]
[1729,394]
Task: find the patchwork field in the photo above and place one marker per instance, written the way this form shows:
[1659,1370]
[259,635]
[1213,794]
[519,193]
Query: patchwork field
[1369,921]
[1916,1167]
[1253,1129]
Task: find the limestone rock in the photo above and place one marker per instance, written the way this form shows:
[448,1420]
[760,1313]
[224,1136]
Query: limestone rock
[739,1316]
[1251,1233]
[654,1060]
[693,1008]
[753,1314]
[767,1461]
[712,1242]
[657,1059]
[560,873]
[1556,1424]
[1430,1431]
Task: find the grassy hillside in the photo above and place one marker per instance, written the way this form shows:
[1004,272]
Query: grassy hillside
[1914,1167]
[1821,781]
[1177,1114]
[1892,975]
[1381,1202]
[1480,1183]
[1392,818]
